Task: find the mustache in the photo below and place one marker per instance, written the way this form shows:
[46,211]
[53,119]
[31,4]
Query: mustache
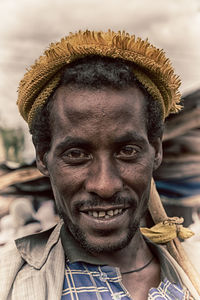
[96,201]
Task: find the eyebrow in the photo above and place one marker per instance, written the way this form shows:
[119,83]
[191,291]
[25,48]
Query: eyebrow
[130,137]
[70,141]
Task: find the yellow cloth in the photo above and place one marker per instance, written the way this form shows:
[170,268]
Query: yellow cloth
[166,231]
[151,68]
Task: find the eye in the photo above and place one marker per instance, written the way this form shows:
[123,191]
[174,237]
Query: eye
[76,156]
[128,152]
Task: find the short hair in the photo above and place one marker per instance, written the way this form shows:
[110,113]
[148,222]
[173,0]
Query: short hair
[96,72]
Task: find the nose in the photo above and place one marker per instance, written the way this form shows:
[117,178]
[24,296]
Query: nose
[104,179]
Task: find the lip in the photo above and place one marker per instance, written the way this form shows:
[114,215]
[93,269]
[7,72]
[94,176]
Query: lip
[103,208]
[105,224]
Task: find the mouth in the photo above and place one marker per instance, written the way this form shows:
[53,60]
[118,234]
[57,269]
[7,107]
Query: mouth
[104,213]
[95,220]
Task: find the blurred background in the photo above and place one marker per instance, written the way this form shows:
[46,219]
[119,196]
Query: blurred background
[28,27]
[26,30]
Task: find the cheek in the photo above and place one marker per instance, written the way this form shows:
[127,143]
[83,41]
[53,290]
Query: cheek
[137,175]
[66,184]
[59,190]
[137,179]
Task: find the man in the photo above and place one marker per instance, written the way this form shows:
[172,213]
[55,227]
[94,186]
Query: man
[95,104]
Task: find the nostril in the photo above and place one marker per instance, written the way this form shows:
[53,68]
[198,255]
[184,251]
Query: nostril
[104,178]
[104,188]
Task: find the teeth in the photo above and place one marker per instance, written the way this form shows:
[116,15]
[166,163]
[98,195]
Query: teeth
[110,213]
[105,214]
[116,211]
[102,214]
[95,214]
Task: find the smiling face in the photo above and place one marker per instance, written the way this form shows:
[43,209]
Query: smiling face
[100,164]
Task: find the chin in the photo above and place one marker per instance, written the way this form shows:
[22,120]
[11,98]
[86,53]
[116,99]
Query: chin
[102,244]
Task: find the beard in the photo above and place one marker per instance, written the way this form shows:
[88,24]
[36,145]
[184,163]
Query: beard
[80,236]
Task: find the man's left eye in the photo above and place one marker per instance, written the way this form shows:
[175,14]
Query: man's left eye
[127,152]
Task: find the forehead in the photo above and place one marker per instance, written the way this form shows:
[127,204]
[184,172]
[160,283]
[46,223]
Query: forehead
[75,109]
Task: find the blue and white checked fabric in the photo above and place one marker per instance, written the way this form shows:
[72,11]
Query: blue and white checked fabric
[167,290]
[84,281]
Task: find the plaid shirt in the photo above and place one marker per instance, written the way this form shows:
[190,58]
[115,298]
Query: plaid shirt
[85,281]
[88,278]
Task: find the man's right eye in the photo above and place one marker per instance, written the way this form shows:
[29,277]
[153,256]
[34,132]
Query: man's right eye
[76,156]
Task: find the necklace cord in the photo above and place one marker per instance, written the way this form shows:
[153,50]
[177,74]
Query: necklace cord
[140,269]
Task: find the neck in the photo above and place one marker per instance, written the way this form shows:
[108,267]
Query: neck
[133,256]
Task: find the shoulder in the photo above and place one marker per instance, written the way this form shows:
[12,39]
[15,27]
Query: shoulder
[7,254]
[10,263]
[25,254]
[171,267]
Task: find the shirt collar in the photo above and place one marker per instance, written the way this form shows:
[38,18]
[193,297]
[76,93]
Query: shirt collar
[73,250]
[35,248]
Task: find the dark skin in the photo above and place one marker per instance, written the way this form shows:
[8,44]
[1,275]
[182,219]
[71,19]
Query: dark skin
[100,163]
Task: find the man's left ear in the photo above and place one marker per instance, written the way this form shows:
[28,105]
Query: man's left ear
[158,153]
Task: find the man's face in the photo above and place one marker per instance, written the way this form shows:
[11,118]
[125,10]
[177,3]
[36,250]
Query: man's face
[100,164]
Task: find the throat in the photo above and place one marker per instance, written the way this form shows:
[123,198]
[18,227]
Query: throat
[144,280]
[132,257]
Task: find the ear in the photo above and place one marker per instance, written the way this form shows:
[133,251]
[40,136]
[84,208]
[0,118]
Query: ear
[41,162]
[158,153]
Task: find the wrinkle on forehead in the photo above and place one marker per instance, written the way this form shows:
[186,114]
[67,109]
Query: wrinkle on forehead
[81,105]
[98,117]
